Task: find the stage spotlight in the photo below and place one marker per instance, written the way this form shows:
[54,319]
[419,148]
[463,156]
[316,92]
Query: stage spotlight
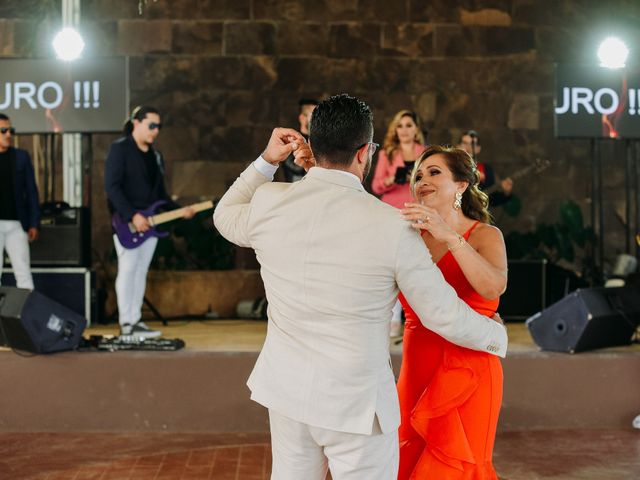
[68,44]
[613,53]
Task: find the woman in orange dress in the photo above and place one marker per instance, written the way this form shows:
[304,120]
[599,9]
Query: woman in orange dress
[450,396]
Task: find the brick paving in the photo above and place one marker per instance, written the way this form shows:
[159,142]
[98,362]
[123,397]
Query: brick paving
[536,455]
[153,456]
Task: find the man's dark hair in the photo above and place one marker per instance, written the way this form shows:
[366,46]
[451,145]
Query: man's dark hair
[339,126]
[139,113]
[307,101]
[3,117]
[472,134]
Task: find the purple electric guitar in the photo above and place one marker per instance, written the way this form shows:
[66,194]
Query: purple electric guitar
[130,238]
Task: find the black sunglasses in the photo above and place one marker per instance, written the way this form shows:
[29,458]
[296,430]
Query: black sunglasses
[11,130]
[153,126]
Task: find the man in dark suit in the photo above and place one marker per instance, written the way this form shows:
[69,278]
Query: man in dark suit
[134,180]
[19,206]
[293,172]
[470,143]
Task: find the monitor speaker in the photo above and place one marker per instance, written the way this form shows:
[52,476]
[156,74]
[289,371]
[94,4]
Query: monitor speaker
[533,286]
[64,238]
[587,319]
[73,287]
[32,322]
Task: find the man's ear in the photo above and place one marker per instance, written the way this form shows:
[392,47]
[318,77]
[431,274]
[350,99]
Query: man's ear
[363,154]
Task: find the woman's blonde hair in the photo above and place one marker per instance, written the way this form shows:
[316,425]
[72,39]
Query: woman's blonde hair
[391,140]
[463,168]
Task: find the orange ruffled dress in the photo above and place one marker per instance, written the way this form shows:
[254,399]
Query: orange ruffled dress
[450,396]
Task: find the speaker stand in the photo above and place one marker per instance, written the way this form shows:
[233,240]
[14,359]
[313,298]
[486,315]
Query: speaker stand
[155,311]
[150,306]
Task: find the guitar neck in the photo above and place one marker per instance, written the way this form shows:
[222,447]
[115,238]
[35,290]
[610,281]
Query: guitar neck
[523,172]
[165,217]
[520,173]
[493,188]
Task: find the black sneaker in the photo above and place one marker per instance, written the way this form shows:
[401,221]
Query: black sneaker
[139,329]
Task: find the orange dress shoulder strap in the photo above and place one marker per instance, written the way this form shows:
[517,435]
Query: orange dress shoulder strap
[467,234]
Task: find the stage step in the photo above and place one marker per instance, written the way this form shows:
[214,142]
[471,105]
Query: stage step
[205,391]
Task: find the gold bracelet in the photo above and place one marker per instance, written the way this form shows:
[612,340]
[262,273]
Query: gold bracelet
[461,242]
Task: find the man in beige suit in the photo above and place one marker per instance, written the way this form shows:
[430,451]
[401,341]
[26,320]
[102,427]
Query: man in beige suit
[333,258]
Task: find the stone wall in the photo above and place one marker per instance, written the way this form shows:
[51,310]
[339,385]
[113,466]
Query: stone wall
[225,72]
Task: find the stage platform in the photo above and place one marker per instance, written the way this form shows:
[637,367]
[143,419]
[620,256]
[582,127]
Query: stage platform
[229,335]
[202,387]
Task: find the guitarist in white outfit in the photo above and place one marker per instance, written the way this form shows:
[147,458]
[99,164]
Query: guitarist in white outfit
[134,180]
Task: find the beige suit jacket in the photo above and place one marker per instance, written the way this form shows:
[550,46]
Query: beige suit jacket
[332,258]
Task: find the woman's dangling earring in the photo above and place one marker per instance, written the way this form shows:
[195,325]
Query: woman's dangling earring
[457,203]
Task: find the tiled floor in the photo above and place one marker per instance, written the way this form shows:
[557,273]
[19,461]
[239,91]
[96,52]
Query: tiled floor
[541,455]
[568,455]
[108,456]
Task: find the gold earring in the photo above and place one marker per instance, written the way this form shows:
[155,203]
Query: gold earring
[457,203]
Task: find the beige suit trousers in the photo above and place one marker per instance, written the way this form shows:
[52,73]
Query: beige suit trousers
[302,451]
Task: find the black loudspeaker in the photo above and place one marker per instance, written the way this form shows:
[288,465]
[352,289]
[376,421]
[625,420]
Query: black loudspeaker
[533,286]
[72,287]
[32,322]
[64,238]
[587,319]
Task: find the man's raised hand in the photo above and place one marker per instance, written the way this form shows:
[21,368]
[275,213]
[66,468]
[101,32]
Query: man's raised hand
[283,141]
[304,157]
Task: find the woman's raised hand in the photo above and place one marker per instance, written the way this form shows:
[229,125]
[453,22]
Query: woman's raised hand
[427,218]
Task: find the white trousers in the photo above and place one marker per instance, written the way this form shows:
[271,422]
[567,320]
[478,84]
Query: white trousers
[301,451]
[131,282]
[16,241]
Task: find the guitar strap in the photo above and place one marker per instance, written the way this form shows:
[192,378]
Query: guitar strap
[481,168]
[159,162]
[13,165]
[485,177]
